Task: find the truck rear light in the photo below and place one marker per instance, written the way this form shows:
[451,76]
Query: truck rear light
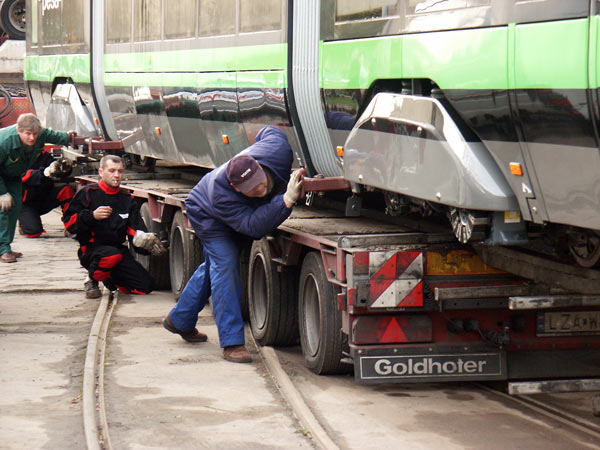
[391,329]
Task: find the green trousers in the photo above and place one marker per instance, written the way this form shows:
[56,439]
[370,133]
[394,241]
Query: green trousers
[8,220]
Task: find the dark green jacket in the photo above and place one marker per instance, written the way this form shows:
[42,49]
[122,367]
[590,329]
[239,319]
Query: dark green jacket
[16,158]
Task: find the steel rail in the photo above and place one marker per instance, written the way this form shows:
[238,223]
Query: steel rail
[294,398]
[94,416]
[578,424]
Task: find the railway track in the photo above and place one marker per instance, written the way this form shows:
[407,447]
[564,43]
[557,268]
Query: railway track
[313,423]
[576,423]
[94,412]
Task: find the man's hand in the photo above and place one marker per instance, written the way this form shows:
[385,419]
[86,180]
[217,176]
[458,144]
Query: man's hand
[294,188]
[52,169]
[71,134]
[149,242]
[102,212]
[6,202]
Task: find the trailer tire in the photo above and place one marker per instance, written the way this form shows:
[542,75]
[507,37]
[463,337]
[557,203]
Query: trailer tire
[244,274]
[320,320]
[155,265]
[12,15]
[272,299]
[185,254]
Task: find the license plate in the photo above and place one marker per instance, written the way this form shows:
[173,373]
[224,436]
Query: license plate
[566,323]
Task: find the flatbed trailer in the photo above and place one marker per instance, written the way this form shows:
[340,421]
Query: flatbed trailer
[392,301]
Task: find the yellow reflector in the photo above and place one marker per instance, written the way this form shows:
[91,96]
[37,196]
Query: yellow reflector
[457,262]
[225,139]
[340,151]
[512,216]
[516,169]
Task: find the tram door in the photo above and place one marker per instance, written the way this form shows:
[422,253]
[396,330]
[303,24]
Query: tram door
[558,140]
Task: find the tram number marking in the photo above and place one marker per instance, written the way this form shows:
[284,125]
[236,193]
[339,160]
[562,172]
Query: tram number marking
[50,4]
[568,322]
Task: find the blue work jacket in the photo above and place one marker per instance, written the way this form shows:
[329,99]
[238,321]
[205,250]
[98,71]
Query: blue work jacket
[216,210]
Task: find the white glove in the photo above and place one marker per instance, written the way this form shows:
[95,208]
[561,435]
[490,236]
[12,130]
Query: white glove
[52,169]
[6,202]
[149,242]
[294,187]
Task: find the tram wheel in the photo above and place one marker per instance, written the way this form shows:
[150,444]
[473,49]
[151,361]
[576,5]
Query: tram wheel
[585,248]
[155,265]
[185,254]
[272,299]
[320,321]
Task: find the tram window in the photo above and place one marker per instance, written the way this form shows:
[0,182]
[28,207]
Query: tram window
[51,26]
[32,21]
[217,17]
[147,20]
[118,21]
[426,6]
[72,28]
[180,20]
[349,10]
[260,16]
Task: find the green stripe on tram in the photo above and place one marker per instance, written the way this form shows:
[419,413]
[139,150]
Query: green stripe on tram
[259,57]
[49,67]
[546,55]
[595,52]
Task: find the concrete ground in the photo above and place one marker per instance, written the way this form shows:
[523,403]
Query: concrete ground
[160,391]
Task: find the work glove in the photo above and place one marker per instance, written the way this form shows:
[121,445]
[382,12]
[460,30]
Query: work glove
[71,134]
[149,242]
[6,202]
[294,187]
[52,169]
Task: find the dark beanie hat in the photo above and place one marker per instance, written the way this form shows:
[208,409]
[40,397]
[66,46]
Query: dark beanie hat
[244,173]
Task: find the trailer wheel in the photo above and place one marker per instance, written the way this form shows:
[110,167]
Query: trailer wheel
[320,320]
[155,265]
[244,274]
[272,299]
[12,18]
[185,254]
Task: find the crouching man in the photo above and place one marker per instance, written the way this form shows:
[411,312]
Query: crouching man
[45,186]
[102,216]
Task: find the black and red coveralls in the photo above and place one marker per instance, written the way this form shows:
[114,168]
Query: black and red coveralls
[41,195]
[102,251]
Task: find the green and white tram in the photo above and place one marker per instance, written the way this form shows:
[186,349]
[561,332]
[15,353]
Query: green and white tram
[485,109]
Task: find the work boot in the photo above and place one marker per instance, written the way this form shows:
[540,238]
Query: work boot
[237,354]
[110,284]
[91,289]
[8,257]
[190,336]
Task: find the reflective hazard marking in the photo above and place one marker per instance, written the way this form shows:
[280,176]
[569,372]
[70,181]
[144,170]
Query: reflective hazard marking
[398,282]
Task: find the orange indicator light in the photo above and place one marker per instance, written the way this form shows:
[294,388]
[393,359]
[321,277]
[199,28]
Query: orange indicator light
[225,139]
[157,131]
[340,151]
[516,169]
